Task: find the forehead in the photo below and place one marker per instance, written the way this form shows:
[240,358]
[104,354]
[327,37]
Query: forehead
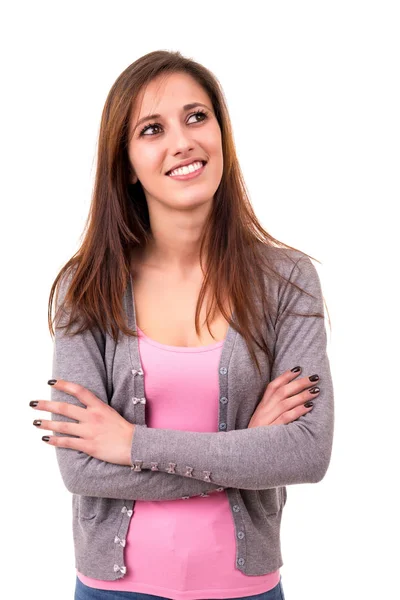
[168,92]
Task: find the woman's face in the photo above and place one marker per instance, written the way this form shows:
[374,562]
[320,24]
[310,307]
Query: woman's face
[157,144]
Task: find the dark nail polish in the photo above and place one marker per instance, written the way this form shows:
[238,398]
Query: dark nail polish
[45,438]
[33,403]
[314,390]
[309,404]
[37,422]
[296,369]
[313,378]
[52,381]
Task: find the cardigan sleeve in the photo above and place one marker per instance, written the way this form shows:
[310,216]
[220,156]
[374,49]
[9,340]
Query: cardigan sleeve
[267,456]
[79,358]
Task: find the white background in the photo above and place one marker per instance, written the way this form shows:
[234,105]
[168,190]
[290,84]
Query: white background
[313,93]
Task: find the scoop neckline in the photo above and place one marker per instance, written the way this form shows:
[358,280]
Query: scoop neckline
[179,348]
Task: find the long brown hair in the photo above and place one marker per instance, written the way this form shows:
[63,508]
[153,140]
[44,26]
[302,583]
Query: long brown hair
[118,222]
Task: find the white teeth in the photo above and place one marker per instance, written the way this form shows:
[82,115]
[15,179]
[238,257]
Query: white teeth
[187,169]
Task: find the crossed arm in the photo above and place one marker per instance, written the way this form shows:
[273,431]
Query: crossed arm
[257,458]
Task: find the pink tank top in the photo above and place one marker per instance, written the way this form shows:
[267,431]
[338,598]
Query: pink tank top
[183,549]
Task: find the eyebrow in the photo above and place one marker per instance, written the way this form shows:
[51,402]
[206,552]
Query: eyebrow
[158,116]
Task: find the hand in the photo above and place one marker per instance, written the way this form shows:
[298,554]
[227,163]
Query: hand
[283,400]
[103,432]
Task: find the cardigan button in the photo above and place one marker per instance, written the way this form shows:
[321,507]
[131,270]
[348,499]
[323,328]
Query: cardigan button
[240,535]
[207,476]
[240,561]
[223,400]
[137,372]
[138,400]
[118,568]
[223,370]
[222,425]
[120,541]
[137,466]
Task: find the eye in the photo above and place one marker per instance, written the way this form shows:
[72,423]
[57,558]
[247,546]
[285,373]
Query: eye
[203,113]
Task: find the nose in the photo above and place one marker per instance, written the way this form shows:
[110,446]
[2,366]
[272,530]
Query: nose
[180,138]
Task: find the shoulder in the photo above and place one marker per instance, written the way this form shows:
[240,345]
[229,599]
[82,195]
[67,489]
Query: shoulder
[291,276]
[64,283]
[284,260]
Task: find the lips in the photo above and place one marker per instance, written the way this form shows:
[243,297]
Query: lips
[204,162]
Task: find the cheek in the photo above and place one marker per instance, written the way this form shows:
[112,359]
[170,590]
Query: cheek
[216,156]
[215,144]
[146,162]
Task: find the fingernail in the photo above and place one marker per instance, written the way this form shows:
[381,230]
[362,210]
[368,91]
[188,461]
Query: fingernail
[309,404]
[45,438]
[313,378]
[33,403]
[295,369]
[37,422]
[314,390]
[52,381]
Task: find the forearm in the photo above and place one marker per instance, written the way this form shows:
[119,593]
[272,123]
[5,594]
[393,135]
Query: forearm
[256,458]
[87,476]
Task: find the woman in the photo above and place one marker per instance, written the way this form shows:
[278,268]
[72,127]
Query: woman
[178,429]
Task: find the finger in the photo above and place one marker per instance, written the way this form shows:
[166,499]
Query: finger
[59,426]
[61,408]
[295,413]
[287,404]
[299,399]
[84,395]
[287,376]
[294,387]
[69,442]
[277,384]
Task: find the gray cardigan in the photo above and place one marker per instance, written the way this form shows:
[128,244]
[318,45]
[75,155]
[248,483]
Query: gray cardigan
[252,466]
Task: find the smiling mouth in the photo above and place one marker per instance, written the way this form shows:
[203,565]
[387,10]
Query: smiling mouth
[203,162]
